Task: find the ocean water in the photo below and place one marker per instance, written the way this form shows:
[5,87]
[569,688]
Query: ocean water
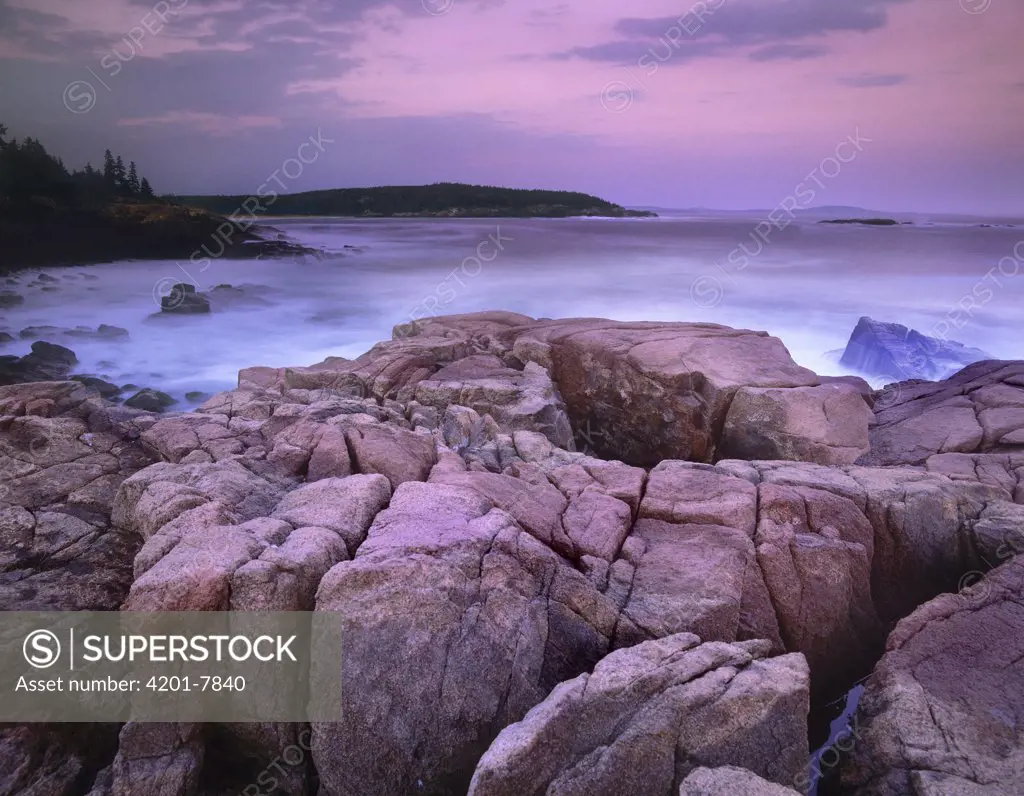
[807,284]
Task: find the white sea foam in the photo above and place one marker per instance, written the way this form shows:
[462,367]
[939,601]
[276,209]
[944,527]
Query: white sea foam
[808,285]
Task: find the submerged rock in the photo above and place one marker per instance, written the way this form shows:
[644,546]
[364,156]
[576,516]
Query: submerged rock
[102,332]
[150,400]
[10,299]
[896,352]
[224,296]
[184,300]
[104,388]
[46,362]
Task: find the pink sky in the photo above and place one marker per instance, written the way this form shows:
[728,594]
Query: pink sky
[746,103]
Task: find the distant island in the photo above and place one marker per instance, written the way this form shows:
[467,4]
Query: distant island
[872,222]
[441,200]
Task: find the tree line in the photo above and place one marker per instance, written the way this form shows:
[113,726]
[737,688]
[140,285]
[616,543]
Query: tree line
[446,198]
[31,175]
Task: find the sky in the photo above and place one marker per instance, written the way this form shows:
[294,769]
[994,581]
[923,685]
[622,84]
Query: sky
[902,105]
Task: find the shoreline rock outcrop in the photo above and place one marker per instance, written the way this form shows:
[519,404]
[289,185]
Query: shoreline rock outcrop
[710,561]
[898,353]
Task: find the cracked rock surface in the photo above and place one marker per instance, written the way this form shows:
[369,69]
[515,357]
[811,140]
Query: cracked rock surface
[980,410]
[942,713]
[649,715]
[675,592]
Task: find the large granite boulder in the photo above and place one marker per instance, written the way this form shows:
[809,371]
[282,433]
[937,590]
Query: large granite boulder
[649,715]
[456,622]
[647,392]
[644,392]
[893,351]
[824,425]
[635,392]
[941,714]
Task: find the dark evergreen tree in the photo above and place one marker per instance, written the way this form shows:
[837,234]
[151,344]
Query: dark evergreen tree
[145,189]
[133,179]
[120,176]
[109,170]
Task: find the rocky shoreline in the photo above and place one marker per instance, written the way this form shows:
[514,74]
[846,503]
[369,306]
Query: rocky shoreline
[134,230]
[572,557]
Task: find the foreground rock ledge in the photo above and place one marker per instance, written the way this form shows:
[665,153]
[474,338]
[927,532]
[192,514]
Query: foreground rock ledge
[432,493]
[649,715]
[942,714]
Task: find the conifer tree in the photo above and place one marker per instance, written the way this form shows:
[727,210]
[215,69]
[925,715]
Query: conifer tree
[133,179]
[109,170]
[120,177]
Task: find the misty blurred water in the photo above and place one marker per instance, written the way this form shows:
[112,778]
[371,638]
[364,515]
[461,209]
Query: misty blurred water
[808,285]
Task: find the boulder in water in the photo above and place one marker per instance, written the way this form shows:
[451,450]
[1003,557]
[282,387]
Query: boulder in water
[46,362]
[9,299]
[184,300]
[49,332]
[104,388]
[102,332]
[895,351]
[150,401]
